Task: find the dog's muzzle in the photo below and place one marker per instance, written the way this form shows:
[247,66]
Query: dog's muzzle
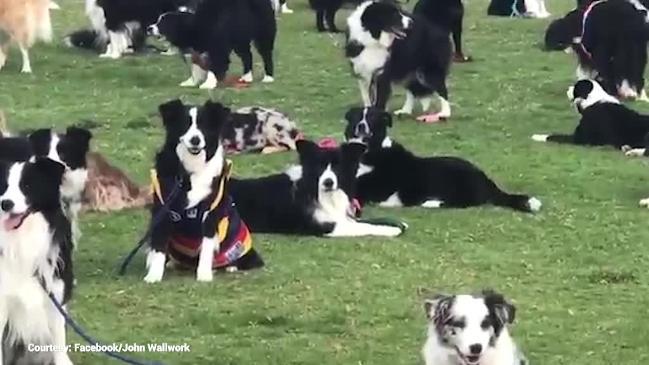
[153,30]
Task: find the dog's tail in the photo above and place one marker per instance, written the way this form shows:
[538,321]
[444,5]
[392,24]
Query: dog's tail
[521,202]
[87,39]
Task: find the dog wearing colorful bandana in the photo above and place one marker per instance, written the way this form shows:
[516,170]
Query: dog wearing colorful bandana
[194,221]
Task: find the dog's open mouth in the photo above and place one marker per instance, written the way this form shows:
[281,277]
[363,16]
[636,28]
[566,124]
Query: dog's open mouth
[468,359]
[399,33]
[194,150]
[14,221]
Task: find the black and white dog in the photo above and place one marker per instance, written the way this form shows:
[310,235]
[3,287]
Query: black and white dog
[604,120]
[386,45]
[523,8]
[313,198]
[121,24]
[69,148]
[217,28]
[392,176]
[470,330]
[35,260]
[194,221]
[611,46]
[448,15]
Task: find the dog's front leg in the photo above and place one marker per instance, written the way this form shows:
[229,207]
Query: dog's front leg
[352,228]
[157,256]
[57,326]
[205,258]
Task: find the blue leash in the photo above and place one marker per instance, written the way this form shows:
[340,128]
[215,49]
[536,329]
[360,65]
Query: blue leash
[154,222]
[79,331]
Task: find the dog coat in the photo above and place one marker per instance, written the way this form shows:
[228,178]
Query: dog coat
[232,234]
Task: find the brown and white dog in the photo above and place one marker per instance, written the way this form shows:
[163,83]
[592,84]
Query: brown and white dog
[23,22]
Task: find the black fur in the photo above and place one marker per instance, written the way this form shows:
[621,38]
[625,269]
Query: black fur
[455,182]
[447,15]
[506,7]
[277,204]
[501,312]
[561,33]
[220,27]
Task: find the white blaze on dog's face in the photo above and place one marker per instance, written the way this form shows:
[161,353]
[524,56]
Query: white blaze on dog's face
[28,187]
[193,139]
[328,180]
[469,324]
[378,23]
[586,93]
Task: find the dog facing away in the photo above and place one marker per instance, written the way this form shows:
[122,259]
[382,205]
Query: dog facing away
[215,30]
[193,219]
[448,15]
[522,8]
[385,45]
[310,199]
[612,46]
[604,120]
[470,330]
[23,22]
[35,260]
[391,176]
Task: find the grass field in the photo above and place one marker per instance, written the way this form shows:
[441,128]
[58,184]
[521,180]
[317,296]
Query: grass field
[576,271]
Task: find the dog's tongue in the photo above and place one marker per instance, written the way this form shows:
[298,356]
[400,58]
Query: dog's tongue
[13,221]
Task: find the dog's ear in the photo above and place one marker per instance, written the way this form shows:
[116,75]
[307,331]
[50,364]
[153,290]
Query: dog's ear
[80,136]
[353,151]
[49,168]
[39,139]
[501,311]
[171,110]
[306,149]
[217,114]
[438,308]
[353,114]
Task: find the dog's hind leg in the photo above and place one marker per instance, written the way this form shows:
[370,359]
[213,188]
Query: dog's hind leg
[198,75]
[319,20]
[330,18]
[27,66]
[246,59]
[265,48]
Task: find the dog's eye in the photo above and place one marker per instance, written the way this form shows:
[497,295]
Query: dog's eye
[486,323]
[456,324]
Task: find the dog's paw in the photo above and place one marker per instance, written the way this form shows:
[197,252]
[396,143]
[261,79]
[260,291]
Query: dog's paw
[644,202]
[634,152]
[152,277]
[205,276]
[188,83]
[268,79]
[540,137]
[210,83]
[247,77]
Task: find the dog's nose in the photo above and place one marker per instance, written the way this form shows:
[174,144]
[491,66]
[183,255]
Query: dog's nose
[152,30]
[476,349]
[362,130]
[195,141]
[328,183]
[6,205]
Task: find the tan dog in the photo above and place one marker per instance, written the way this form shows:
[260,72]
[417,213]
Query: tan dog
[23,22]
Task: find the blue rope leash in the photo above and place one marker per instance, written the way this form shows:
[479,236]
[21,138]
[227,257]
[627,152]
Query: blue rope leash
[79,331]
[154,222]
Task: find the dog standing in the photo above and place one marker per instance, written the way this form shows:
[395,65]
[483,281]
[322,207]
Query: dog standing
[386,45]
[23,22]
[35,260]
[216,29]
[193,219]
[470,330]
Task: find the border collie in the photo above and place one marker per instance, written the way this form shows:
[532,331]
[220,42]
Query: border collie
[522,8]
[392,176]
[386,45]
[470,330]
[23,22]
[120,23]
[562,33]
[35,260]
[604,120]
[259,129]
[613,54]
[218,28]
[69,148]
[448,15]
[198,226]
[310,199]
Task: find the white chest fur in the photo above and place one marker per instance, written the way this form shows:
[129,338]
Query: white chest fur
[201,173]
[332,207]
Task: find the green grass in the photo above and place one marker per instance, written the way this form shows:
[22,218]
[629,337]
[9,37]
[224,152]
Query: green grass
[576,271]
